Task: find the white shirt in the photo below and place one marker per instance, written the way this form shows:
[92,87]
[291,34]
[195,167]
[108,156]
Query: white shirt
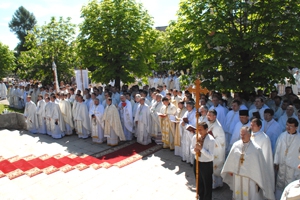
[207,151]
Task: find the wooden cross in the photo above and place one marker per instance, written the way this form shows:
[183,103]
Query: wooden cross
[197,91]
[242,159]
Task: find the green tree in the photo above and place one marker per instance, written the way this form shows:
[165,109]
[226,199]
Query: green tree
[238,45]
[117,40]
[54,41]
[7,60]
[22,23]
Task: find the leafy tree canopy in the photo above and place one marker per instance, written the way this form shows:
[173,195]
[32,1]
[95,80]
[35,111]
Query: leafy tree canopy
[54,41]
[7,60]
[117,40]
[237,45]
[22,23]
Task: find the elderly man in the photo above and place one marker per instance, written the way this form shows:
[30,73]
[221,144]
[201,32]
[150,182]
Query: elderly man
[96,112]
[244,170]
[30,115]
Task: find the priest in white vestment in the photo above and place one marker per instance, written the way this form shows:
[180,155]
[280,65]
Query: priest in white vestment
[40,111]
[143,123]
[155,119]
[288,113]
[56,120]
[286,157]
[113,130]
[30,115]
[47,115]
[66,111]
[3,90]
[260,107]
[96,112]
[126,117]
[10,97]
[231,119]
[188,123]
[216,130]
[17,95]
[262,140]
[181,110]
[244,122]
[167,113]
[244,170]
[220,110]
[81,118]
[271,127]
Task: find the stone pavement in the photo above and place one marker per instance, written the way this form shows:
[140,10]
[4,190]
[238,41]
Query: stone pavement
[158,176]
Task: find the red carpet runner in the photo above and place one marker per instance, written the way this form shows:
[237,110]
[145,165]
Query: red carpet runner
[31,165]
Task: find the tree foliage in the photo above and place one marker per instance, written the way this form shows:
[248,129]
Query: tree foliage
[22,23]
[116,40]
[238,45]
[54,41]
[7,60]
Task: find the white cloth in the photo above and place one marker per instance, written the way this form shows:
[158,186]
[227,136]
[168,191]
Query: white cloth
[31,117]
[261,111]
[231,119]
[96,123]
[242,177]
[126,118]
[262,140]
[187,136]
[66,111]
[282,121]
[287,157]
[219,151]
[3,91]
[236,132]
[40,111]
[292,191]
[142,116]
[82,119]
[57,130]
[273,130]
[207,151]
[220,114]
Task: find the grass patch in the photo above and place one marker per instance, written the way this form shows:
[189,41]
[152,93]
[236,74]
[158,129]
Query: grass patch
[3,107]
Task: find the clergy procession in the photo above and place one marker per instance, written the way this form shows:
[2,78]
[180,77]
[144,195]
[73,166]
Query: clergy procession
[249,141]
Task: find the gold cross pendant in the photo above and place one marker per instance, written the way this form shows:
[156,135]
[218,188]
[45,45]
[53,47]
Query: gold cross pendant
[242,159]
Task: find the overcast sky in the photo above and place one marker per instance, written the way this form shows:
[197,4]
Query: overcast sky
[161,10]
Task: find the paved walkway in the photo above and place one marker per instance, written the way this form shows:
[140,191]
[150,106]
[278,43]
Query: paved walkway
[158,176]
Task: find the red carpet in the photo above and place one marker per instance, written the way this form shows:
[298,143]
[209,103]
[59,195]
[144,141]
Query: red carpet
[31,165]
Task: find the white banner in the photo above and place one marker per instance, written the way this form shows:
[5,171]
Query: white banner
[82,80]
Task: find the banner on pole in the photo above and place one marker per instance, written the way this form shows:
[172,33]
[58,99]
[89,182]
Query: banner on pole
[82,80]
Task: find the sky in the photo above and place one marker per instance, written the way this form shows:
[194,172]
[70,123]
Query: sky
[162,12]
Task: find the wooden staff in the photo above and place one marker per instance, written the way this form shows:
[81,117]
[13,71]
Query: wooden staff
[81,78]
[197,91]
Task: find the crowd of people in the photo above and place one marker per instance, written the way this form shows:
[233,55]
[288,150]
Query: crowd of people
[250,141]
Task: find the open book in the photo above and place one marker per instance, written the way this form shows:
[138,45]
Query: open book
[191,128]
